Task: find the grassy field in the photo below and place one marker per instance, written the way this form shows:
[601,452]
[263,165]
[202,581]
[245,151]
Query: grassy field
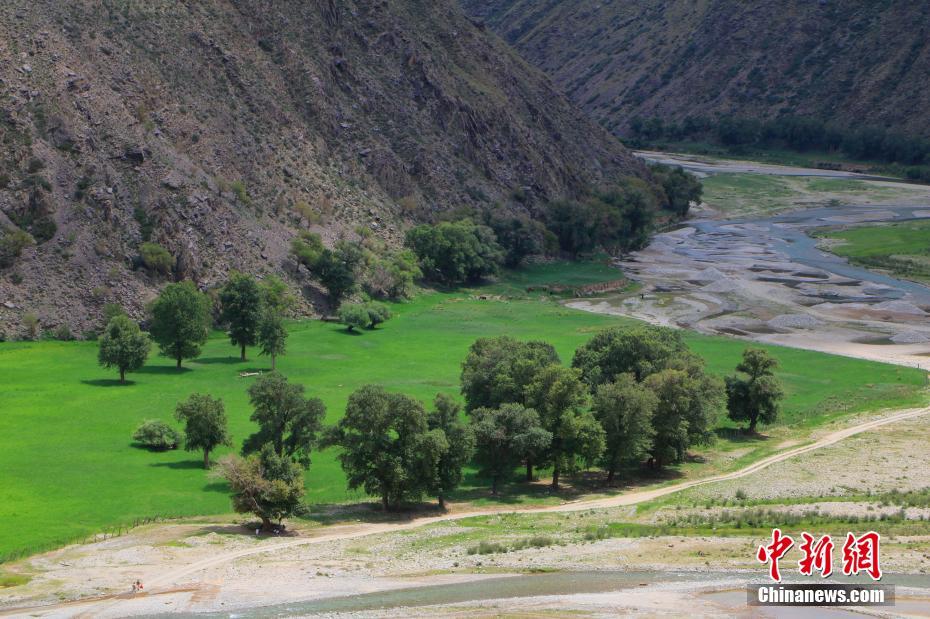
[69,467]
[745,194]
[902,248]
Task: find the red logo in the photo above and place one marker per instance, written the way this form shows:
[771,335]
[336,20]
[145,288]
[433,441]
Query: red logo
[774,551]
[860,554]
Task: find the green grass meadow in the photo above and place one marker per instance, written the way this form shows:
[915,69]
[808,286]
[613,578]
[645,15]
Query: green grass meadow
[902,248]
[68,467]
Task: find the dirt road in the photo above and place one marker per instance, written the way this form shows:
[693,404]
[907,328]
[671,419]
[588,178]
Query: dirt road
[171,578]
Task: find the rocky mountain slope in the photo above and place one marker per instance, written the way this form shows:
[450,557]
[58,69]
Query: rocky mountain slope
[219,128]
[854,62]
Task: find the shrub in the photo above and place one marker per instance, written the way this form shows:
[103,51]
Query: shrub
[16,278]
[157,259]
[12,244]
[63,333]
[31,322]
[156,435]
[354,315]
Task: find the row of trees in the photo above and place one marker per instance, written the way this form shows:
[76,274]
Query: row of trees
[799,133]
[631,395]
[618,219]
[181,316]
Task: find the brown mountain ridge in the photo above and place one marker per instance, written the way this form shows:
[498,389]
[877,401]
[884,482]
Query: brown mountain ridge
[854,63]
[220,128]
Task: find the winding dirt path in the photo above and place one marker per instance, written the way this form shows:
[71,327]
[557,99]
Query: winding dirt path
[167,582]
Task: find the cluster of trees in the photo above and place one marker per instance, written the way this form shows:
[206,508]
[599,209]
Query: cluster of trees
[618,219]
[795,132]
[369,266]
[180,319]
[630,395]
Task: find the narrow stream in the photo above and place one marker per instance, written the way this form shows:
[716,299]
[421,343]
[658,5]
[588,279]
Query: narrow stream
[732,593]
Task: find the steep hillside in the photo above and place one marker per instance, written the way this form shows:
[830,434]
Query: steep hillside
[854,62]
[219,128]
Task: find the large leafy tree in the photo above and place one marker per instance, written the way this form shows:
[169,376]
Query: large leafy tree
[180,321]
[559,396]
[460,444]
[265,484]
[287,420]
[123,346]
[456,252]
[388,448]
[205,424]
[688,406]
[337,268]
[504,437]
[624,408]
[241,300]
[641,350]
[498,370]
[754,397]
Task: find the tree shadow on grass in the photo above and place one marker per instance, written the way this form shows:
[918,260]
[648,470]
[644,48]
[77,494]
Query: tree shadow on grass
[163,369]
[182,465]
[353,332]
[107,382]
[219,360]
[740,435]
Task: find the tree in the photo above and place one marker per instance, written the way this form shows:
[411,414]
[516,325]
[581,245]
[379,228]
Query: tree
[387,446]
[456,252]
[558,395]
[272,336]
[519,236]
[503,438]
[498,370]
[180,321]
[687,408]
[205,424]
[393,276]
[123,346]
[156,435]
[680,187]
[624,408]
[275,295]
[638,350]
[264,484]
[754,398]
[460,445]
[241,300]
[337,268]
[287,420]
[354,315]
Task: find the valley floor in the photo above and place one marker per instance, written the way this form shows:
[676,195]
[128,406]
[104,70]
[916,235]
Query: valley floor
[673,550]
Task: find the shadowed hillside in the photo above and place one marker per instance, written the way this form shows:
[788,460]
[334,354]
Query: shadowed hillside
[220,128]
